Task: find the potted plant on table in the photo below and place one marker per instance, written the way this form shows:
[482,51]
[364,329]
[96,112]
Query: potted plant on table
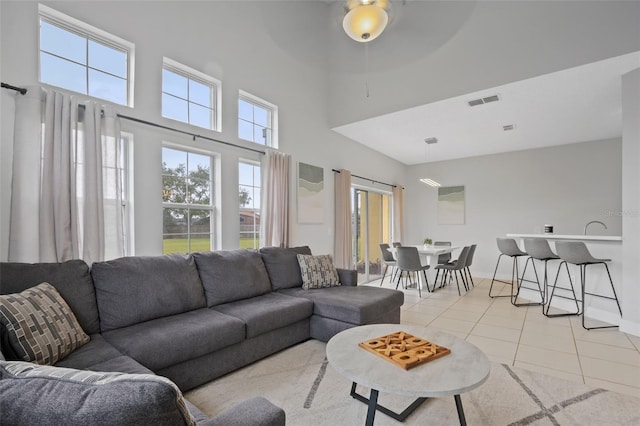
[427,242]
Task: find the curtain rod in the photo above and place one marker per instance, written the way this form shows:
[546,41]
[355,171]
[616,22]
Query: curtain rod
[370,180]
[23,91]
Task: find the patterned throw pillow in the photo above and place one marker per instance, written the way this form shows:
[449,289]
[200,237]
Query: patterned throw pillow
[88,395]
[40,325]
[317,271]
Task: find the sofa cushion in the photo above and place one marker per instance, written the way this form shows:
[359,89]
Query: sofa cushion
[355,305]
[97,350]
[131,290]
[232,275]
[282,265]
[318,271]
[71,279]
[166,341]
[268,312]
[40,325]
[52,395]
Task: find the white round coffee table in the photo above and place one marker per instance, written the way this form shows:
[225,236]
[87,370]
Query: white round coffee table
[464,369]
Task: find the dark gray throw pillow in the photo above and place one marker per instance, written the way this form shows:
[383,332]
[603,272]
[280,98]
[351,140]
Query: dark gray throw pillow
[33,395]
[282,265]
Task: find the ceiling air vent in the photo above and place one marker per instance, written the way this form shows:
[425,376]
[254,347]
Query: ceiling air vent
[508,127]
[485,100]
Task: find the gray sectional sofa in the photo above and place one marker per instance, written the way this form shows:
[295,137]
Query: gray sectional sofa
[193,318]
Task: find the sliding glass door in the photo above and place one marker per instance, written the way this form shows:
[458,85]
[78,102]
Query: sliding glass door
[371,227]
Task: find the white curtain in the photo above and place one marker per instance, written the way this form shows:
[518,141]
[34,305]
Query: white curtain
[274,217]
[398,213]
[67,189]
[342,251]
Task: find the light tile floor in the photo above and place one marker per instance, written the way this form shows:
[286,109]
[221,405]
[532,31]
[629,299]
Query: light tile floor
[523,337]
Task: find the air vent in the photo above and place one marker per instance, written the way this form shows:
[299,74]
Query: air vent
[485,100]
[431,140]
[508,127]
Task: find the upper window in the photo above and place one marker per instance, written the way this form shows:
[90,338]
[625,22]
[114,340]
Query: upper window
[257,120]
[78,57]
[190,96]
[187,182]
[249,197]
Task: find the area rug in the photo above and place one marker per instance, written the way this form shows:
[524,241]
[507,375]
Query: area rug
[303,383]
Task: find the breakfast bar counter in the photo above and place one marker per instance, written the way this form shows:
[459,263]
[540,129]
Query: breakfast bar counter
[600,246]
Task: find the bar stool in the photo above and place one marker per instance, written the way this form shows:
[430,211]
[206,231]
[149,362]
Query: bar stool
[576,253]
[508,247]
[538,249]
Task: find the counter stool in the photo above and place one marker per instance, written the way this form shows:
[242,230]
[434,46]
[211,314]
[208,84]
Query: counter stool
[576,253]
[538,249]
[508,247]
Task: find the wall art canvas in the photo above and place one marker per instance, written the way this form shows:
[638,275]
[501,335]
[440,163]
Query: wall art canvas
[451,205]
[310,194]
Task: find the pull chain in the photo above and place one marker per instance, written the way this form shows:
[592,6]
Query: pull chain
[366,69]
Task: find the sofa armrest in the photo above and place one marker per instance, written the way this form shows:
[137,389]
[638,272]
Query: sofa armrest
[348,277]
[252,412]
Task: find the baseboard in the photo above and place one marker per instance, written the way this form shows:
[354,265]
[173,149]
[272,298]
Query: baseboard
[630,327]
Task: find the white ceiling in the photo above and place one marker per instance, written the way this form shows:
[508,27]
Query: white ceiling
[574,105]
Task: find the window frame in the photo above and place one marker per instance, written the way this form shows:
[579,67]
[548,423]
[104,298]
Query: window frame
[202,78]
[256,230]
[212,206]
[89,32]
[270,107]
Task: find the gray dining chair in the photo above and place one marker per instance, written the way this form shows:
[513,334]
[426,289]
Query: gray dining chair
[388,260]
[443,259]
[408,260]
[457,268]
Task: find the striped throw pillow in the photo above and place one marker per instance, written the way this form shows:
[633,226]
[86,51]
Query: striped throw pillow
[318,271]
[40,325]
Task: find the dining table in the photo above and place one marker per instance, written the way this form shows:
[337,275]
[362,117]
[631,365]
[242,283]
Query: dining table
[428,256]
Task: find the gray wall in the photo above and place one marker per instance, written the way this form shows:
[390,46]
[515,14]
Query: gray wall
[630,213]
[519,192]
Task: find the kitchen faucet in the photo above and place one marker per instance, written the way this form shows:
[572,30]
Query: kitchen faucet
[593,221]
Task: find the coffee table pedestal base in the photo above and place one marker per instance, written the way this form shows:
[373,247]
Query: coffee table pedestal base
[372,402]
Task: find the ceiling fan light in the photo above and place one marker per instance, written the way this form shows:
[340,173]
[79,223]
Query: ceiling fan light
[365,22]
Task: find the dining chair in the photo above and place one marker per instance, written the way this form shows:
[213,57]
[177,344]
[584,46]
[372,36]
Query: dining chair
[408,260]
[443,259]
[457,268]
[388,260]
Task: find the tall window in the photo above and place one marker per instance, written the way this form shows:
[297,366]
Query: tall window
[78,57]
[249,179]
[257,120]
[187,201]
[190,96]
